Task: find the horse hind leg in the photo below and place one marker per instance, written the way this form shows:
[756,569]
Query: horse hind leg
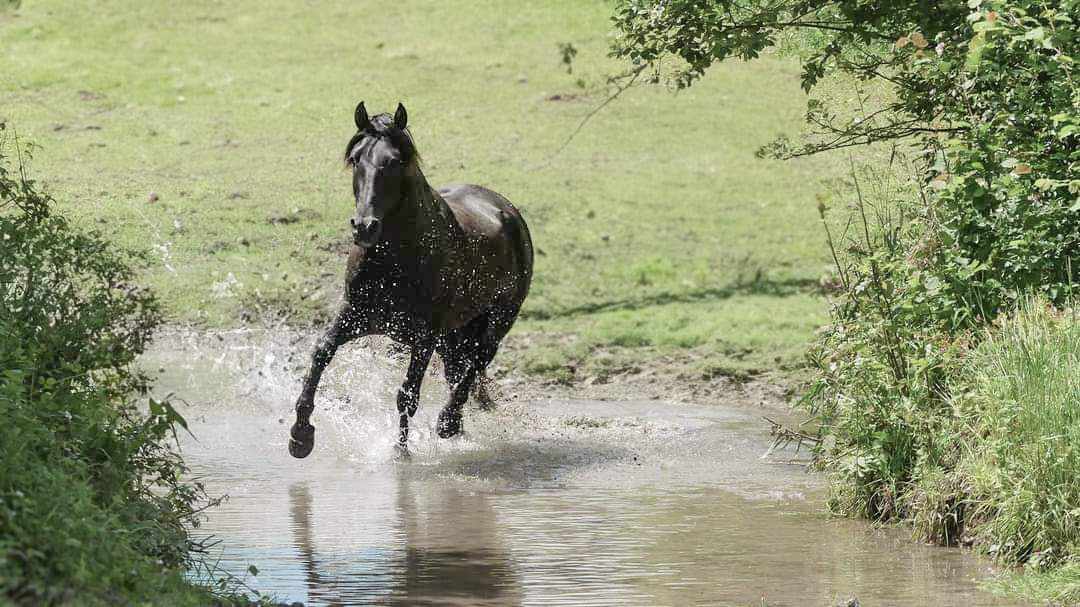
[456,353]
[449,423]
[466,367]
[481,392]
[499,322]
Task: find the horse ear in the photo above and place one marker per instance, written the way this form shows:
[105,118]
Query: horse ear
[401,117]
[362,120]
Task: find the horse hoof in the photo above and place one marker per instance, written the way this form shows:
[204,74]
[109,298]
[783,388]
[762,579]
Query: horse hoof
[401,451]
[449,424]
[301,440]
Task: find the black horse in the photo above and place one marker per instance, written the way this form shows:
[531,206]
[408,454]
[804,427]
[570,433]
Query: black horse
[435,270]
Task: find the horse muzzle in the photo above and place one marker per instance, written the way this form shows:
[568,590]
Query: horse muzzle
[366,231]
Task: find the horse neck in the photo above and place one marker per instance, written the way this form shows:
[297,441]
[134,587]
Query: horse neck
[423,213]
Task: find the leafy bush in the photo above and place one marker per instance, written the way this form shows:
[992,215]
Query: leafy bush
[1010,201]
[969,433]
[93,509]
[973,436]
[883,364]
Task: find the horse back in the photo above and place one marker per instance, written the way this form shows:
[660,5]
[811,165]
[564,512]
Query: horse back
[496,241]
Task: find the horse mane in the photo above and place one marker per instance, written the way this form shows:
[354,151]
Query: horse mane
[382,126]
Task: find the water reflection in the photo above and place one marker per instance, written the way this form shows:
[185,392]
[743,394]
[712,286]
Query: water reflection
[448,552]
[453,550]
[318,587]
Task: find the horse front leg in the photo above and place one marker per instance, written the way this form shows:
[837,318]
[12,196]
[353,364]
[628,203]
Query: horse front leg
[409,394]
[302,435]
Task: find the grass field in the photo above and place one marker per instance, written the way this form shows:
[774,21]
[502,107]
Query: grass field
[210,134]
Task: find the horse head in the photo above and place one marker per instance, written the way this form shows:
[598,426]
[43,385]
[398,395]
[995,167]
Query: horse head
[382,157]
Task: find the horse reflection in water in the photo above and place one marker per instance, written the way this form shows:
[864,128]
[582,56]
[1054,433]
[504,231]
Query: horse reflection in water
[435,270]
[450,554]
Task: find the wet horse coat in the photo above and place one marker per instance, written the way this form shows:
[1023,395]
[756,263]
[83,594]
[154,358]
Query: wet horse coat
[436,270]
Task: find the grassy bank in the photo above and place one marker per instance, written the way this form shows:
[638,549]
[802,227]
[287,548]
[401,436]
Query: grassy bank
[1020,403]
[211,134]
[1005,475]
[93,508]
[1018,452]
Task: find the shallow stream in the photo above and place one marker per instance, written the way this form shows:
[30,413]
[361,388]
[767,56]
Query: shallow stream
[541,502]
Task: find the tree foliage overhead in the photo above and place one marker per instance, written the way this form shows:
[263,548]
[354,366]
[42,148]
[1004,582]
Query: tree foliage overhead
[985,89]
[939,55]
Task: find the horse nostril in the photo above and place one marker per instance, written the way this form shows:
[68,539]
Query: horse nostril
[365,228]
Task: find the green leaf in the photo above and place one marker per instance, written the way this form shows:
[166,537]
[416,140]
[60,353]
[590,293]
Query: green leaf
[975,52]
[1045,184]
[933,284]
[164,408]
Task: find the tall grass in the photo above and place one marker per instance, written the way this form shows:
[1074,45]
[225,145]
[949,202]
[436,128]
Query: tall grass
[1004,473]
[1056,586]
[1022,405]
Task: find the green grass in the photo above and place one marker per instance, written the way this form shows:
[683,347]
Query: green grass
[1025,404]
[656,227]
[1060,586]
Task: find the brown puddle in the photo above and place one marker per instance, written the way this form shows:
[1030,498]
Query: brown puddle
[541,503]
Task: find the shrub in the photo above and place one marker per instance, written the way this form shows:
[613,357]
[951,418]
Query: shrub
[973,434]
[93,508]
[883,363]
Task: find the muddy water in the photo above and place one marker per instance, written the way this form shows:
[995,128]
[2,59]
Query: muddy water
[540,503]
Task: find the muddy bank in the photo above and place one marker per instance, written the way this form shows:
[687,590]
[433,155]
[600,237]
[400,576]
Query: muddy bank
[610,373]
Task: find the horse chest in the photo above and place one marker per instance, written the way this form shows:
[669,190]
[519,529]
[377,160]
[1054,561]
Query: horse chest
[390,299]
